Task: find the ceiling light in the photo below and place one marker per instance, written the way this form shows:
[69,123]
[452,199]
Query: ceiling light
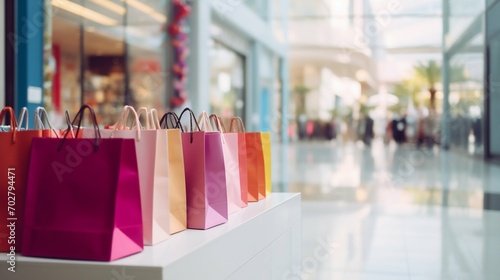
[110,6]
[83,12]
[147,10]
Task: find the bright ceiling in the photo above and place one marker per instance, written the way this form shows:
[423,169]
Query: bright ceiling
[415,24]
[391,34]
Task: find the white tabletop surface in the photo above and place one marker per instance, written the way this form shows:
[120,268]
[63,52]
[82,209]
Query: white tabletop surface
[180,245]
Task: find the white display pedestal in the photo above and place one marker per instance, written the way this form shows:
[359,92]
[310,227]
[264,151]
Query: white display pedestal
[262,241]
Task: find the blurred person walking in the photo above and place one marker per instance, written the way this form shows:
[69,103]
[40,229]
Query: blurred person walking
[310,129]
[368,130]
[399,129]
[427,130]
[330,130]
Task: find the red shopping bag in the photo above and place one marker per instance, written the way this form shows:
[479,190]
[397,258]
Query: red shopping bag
[83,198]
[205,177]
[15,146]
[256,176]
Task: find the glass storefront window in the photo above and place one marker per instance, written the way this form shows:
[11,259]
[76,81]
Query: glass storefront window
[466,101]
[227,82]
[462,14]
[147,50]
[66,61]
[89,54]
[104,71]
[107,54]
[466,75]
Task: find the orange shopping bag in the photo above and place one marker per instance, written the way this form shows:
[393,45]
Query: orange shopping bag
[256,176]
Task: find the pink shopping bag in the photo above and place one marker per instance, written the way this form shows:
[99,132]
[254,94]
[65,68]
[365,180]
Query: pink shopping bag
[152,159]
[205,176]
[231,163]
[83,198]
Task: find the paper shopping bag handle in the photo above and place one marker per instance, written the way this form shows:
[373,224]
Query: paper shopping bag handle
[70,126]
[237,125]
[40,115]
[219,124]
[122,121]
[13,122]
[79,117]
[164,122]
[153,118]
[23,117]
[204,121]
[191,118]
[139,113]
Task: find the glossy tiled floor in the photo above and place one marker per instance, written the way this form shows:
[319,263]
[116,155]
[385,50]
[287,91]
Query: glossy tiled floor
[393,213]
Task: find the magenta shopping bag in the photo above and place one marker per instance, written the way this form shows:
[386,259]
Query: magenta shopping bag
[83,198]
[205,177]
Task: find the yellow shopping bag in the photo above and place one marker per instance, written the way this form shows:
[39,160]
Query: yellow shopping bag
[266,149]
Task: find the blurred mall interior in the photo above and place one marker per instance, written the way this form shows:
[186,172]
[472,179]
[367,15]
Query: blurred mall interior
[382,112]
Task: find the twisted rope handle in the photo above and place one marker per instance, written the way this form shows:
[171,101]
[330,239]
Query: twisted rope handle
[153,118]
[204,121]
[164,123]
[79,117]
[237,125]
[13,122]
[40,115]
[219,124]
[191,118]
[23,117]
[122,122]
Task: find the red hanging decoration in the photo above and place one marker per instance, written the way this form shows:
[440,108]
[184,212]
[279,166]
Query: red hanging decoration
[179,41]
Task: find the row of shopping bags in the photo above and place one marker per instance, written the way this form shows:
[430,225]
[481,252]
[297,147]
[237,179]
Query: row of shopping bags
[96,193]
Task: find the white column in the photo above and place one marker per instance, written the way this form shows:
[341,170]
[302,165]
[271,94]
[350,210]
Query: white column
[198,60]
